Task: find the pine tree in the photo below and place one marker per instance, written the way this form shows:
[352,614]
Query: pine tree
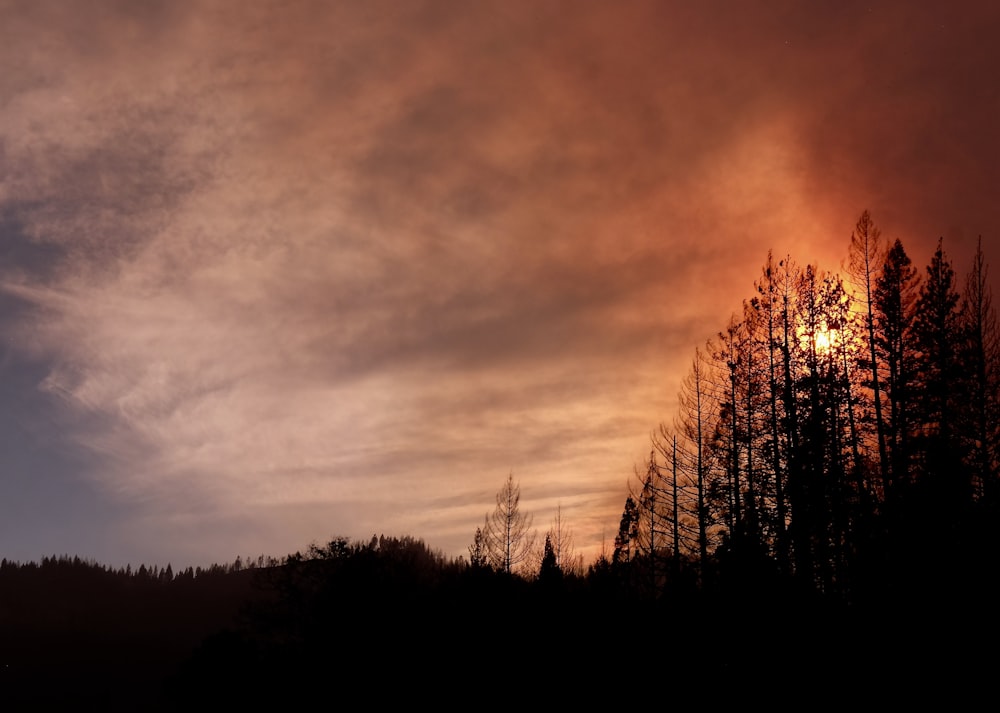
[894,301]
[626,533]
[549,571]
[937,336]
[477,551]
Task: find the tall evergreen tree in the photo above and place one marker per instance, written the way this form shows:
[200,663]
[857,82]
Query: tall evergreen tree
[937,336]
[478,558]
[626,533]
[549,572]
[894,302]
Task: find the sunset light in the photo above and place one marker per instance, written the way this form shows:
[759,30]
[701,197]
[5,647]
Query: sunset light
[824,341]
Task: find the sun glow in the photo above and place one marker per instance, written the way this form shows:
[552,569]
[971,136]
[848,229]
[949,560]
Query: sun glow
[825,340]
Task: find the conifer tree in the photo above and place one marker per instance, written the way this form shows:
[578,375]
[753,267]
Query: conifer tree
[895,298]
[937,336]
[478,558]
[626,533]
[549,571]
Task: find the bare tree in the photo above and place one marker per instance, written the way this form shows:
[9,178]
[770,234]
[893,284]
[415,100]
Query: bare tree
[981,355]
[697,414]
[866,256]
[509,538]
[561,538]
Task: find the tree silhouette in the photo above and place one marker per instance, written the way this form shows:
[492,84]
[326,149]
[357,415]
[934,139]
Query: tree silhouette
[694,422]
[627,532]
[478,558]
[864,261]
[894,298]
[769,305]
[508,536]
[981,355]
[561,537]
[549,572]
[937,336]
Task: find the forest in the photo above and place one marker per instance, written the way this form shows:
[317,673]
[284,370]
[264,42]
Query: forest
[822,510]
[842,432]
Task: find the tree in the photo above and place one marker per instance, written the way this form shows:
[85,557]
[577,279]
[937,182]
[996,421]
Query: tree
[865,257]
[772,309]
[728,357]
[549,572]
[627,532]
[694,421]
[786,279]
[894,298]
[678,509]
[477,551]
[651,520]
[561,537]
[981,357]
[508,536]
[937,335]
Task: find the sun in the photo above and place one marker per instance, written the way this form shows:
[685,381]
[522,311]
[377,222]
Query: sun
[825,340]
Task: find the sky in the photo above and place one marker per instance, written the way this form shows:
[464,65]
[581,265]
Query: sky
[277,272]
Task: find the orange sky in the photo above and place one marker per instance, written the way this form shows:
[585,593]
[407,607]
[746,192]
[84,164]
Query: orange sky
[277,272]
